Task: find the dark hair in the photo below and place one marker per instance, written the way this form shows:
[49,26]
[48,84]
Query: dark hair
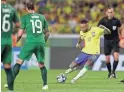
[30,6]
[84,21]
[109,7]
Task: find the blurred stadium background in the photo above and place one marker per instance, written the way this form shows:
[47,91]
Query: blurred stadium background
[63,17]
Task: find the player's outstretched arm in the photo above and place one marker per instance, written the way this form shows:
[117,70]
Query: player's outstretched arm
[79,40]
[78,43]
[47,33]
[106,30]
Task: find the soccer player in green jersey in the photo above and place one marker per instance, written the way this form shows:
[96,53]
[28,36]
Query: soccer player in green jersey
[8,16]
[36,28]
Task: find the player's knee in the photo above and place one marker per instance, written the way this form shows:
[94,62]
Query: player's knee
[19,61]
[7,66]
[73,64]
[107,59]
[89,63]
[41,65]
[116,56]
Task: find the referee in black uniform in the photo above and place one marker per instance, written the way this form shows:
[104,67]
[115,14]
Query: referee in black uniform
[111,40]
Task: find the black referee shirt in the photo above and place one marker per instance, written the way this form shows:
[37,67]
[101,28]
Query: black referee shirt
[111,24]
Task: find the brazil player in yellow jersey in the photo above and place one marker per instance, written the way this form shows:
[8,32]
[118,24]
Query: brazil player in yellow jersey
[36,28]
[8,17]
[91,51]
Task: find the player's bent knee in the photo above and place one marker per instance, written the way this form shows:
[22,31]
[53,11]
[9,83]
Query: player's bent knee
[73,64]
[7,66]
[116,56]
[41,65]
[107,59]
[89,62]
[20,61]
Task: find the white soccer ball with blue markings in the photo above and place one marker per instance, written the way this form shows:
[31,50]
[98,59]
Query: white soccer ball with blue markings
[61,78]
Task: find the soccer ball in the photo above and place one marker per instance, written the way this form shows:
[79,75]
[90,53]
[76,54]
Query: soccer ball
[61,78]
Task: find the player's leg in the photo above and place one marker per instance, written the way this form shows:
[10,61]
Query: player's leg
[79,60]
[25,54]
[115,63]
[107,52]
[91,59]
[40,55]
[43,75]
[81,73]
[108,64]
[16,67]
[116,57]
[72,67]
[6,56]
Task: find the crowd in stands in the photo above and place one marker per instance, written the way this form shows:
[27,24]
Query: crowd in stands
[64,15]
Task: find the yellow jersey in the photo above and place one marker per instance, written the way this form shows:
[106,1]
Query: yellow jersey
[92,40]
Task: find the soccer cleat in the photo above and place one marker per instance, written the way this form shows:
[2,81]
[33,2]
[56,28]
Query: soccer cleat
[5,85]
[114,75]
[109,76]
[73,81]
[45,87]
[122,81]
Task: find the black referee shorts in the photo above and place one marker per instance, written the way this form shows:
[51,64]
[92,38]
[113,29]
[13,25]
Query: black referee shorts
[110,45]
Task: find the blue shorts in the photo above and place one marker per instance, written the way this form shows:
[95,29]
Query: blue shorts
[82,58]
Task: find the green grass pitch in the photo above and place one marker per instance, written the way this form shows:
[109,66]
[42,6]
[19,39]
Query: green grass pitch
[30,81]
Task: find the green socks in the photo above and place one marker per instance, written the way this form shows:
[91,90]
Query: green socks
[10,78]
[16,69]
[44,75]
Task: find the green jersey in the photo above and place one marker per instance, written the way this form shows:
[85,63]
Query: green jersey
[8,16]
[34,25]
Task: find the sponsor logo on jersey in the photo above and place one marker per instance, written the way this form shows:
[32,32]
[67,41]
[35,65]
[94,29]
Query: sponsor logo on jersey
[6,10]
[35,16]
[114,27]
